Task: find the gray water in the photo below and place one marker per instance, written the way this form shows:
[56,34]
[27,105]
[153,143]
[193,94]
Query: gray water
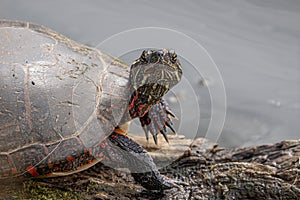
[254,43]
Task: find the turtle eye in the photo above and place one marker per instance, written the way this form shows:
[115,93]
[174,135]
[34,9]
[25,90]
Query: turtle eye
[173,57]
[144,55]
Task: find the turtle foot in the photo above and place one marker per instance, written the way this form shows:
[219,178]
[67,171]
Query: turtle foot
[157,119]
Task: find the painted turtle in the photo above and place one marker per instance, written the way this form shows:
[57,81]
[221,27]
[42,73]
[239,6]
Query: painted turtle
[65,106]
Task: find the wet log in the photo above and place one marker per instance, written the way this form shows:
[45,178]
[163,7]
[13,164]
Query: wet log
[211,172]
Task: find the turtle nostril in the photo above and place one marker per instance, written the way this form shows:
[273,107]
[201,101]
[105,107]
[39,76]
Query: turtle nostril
[154,58]
[160,54]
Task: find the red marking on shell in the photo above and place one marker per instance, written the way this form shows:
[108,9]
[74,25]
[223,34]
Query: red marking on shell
[13,171]
[103,145]
[106,158]
[50,165]
[70,158]
[32,170]
[101,155]
[46,150]
[11,162]
[89,151]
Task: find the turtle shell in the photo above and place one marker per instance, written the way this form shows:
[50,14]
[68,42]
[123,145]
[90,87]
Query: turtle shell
[57,97]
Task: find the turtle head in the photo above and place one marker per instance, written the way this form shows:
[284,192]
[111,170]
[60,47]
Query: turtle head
[152,75]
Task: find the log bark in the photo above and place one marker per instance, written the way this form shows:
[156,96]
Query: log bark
[211,172]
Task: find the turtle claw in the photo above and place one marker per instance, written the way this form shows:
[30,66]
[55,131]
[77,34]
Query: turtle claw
[170,127]
[157,119]
[155,138]
[155,181]
[169,112]
[146,132]
[164,133]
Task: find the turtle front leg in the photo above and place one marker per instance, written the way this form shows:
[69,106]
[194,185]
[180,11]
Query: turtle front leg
[157,119]
[125,153]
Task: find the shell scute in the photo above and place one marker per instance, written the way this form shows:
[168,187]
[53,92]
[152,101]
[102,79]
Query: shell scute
[29,157]
[57,98]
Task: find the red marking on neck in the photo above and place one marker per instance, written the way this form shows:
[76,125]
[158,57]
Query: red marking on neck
[133,100]
[141,107]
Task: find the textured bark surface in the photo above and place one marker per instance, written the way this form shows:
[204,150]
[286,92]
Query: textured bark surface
[259,172]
